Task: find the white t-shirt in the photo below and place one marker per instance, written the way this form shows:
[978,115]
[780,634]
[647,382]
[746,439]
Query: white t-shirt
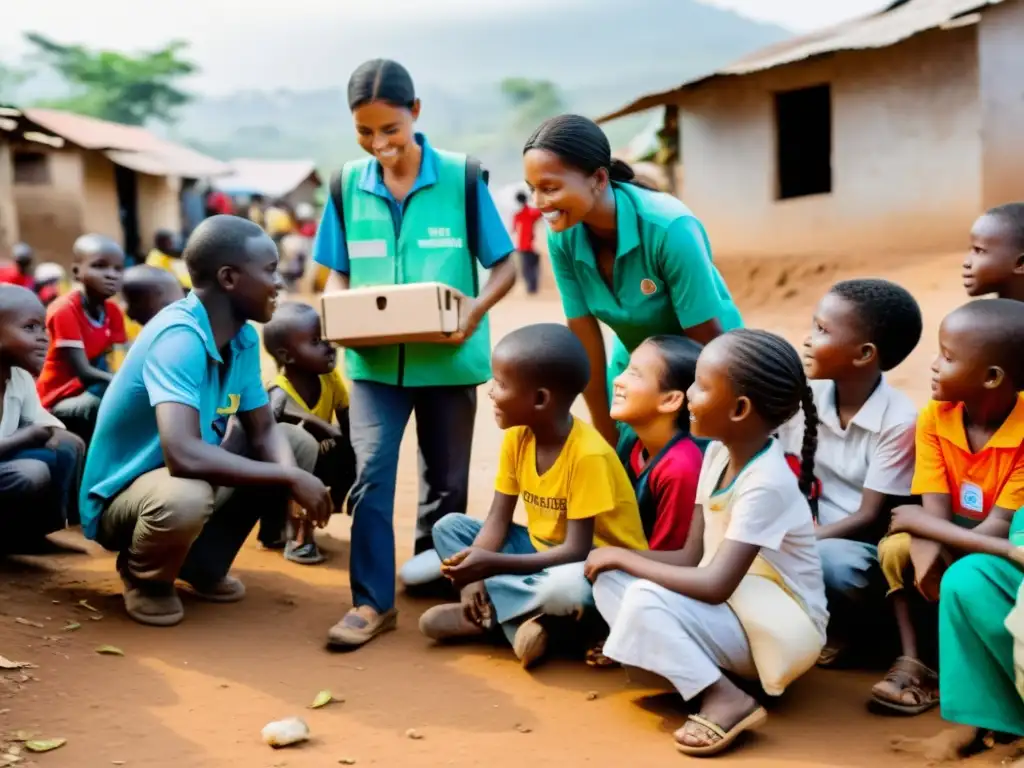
[22,407]
[874,452]
[766,509]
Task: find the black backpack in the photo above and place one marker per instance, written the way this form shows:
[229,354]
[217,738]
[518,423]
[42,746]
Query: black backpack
[475,173]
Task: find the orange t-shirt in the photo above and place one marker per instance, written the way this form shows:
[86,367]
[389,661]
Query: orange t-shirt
[975,482]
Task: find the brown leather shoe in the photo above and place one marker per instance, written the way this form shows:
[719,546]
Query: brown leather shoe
[359,626]
[153,603]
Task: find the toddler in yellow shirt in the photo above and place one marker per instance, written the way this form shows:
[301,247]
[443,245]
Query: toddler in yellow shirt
[576,494]
[310,391]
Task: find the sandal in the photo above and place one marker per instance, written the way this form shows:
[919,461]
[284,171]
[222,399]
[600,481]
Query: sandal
[716,739]
[910,688]
[595,658]
[304,554]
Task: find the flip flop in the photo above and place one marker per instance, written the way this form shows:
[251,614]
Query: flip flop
[304,554]
[755,719]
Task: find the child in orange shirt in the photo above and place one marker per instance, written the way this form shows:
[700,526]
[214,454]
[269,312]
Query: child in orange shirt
[969,472]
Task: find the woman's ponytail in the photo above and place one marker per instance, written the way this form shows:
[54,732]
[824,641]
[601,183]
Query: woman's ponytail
[808,450]
[580,143]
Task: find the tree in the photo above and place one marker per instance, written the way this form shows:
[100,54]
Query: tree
[533,101]
[116,86]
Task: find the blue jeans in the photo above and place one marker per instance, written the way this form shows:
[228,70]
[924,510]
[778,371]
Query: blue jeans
[560,590]
[79,413]
[378,416]
[39,489]
[851,570]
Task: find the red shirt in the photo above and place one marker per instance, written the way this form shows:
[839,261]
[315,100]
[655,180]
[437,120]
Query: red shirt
[524,222]
[220,202]
[9,273]
[672,484]
[69,326]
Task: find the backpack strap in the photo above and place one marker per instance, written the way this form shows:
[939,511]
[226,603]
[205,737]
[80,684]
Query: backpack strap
[476,174]
[338,199]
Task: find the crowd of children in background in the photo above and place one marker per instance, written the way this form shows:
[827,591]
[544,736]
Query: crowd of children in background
[762,506]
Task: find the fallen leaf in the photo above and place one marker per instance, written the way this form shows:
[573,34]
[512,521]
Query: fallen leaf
[322,700]
[97,617]
[45,745]
[413,734]
[6,663]
[523,728]
[85,604]
[592,696]
[347,761]
[109,650]
[28,623]
[71,627]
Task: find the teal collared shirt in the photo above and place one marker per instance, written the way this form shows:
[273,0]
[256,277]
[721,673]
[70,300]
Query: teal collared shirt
[664,280]
[331,251]
[174,360]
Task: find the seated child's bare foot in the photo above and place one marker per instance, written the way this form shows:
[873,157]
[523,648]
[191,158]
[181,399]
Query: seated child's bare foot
[725,713]
[531,642]
[448,622]
[951,744]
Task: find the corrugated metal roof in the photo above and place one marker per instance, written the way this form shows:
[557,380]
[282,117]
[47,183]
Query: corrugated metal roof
[270,178]
[900,20]
[128,145]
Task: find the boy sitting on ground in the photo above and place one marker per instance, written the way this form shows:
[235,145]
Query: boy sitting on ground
[309,391]
[865,448]
[166,255]
[969,472]
[161,487]
[39,461]
[576,492]
[995,263]
[84,326]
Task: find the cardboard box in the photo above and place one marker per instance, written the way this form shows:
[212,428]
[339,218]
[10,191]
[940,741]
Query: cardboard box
[392,314]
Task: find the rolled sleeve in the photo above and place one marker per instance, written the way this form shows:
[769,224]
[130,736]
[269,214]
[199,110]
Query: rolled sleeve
[329,248]
[573,302]
[175,368]
[685,265]
[495,242]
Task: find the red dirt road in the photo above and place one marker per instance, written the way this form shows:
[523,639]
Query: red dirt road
[198,695]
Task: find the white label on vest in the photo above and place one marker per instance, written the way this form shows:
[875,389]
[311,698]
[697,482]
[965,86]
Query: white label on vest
[368,249]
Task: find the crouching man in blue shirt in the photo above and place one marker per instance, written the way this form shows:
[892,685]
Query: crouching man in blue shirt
[163,487]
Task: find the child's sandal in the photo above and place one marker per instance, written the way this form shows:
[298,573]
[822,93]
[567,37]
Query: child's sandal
[304,554]
[910,688]
[595,658]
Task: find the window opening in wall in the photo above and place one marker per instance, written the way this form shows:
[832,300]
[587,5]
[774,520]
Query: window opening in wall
[803,128]
[31,168]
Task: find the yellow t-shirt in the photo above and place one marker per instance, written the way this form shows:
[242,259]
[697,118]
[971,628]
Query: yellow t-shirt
[586,480]
[160,260]
[333,395]
[277,222]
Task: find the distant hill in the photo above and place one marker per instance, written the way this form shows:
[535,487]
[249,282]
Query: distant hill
[601,53]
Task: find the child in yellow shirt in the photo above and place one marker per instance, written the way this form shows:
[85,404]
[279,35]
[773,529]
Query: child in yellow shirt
[166,254]
[576,494]
[310,391]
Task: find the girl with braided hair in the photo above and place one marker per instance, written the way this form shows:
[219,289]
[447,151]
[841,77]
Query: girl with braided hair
[745,595]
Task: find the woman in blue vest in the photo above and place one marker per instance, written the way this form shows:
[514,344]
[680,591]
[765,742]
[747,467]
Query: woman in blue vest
[634,259]
[405,211]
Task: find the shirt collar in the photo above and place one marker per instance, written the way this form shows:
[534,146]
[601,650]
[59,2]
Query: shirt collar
[870,415]
[627,228]
[949,423]
[372,180]
[242,340]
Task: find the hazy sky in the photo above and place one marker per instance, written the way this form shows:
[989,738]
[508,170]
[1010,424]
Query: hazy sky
[213,27]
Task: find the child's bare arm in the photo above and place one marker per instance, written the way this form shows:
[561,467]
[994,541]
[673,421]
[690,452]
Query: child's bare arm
[84,371]
[495,530]
[871,505]
[287,411]
[579,539]
[990,537]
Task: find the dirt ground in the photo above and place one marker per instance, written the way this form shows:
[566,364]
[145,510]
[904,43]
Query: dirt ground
[198,695]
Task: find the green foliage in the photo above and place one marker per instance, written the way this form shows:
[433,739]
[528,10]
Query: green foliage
[116,86]
[532,101]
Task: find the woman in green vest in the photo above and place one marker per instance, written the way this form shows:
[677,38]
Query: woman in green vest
[404,212]
[636,260]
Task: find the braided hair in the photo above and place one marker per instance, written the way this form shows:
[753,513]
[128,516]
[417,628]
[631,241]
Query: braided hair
[767,370]
[580,143]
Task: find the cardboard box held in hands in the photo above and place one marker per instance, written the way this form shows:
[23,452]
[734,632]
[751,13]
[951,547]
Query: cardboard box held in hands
[392,314]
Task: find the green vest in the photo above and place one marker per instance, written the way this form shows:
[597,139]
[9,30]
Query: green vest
[431,247]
